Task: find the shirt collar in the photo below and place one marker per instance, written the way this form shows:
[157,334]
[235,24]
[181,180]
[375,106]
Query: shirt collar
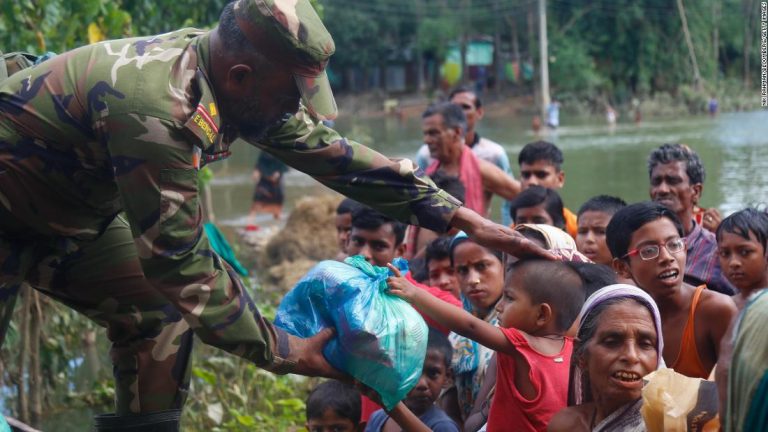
[204,51]
[474,141]
[694,234]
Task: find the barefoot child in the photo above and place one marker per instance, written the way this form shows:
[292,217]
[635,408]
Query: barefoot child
[540,302]
[421,399]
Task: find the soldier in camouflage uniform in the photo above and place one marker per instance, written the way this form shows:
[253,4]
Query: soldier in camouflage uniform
[100,149]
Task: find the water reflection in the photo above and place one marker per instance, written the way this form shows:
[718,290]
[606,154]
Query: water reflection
[744,162]
[598,159]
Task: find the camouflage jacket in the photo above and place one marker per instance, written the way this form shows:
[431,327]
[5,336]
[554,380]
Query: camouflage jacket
[123,125]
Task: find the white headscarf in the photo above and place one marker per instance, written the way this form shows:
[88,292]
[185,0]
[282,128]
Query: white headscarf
[610,292]
[556,240]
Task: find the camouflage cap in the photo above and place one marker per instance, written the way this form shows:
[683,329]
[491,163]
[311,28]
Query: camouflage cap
[290,32]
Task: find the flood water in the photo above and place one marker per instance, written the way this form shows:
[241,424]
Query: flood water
[598,159]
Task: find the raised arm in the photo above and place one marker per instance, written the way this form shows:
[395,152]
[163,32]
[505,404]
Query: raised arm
[497,181]
[458,320]
[494,236]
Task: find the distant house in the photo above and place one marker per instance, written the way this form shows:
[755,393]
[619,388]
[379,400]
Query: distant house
[399,72]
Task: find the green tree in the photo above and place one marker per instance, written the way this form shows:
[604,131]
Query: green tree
[58,25]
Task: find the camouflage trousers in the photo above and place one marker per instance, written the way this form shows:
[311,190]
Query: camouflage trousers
[102,279]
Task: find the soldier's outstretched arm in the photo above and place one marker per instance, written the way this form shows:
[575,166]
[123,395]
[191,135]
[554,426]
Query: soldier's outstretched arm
[496,236]
[393,186]
[155,170]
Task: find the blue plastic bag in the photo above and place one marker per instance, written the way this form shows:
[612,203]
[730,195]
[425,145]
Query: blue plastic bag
[380,339]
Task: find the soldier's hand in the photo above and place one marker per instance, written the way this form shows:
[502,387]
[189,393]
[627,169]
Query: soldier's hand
[494,236]
[308,355]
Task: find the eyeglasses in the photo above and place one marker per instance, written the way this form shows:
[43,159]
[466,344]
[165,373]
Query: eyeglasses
[650,252]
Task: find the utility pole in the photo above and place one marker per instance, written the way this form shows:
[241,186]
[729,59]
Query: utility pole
[543,57]
[498,67]
[420,83]
[465,23]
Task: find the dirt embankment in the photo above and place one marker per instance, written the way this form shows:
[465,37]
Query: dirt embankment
[374,104]
[309,236]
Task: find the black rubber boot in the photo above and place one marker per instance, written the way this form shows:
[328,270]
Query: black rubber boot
[161,421]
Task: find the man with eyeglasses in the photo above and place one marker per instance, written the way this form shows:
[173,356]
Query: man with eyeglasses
[676,181]
[647,244]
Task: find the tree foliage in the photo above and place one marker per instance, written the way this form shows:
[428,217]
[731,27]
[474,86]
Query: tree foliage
[58,25]
[620,48]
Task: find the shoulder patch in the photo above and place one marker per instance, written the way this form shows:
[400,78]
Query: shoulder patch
[201,124]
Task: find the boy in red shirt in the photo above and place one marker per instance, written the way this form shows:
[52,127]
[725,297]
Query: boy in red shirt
[541,300]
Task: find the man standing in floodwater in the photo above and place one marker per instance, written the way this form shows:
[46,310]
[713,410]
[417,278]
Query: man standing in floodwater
[100,151]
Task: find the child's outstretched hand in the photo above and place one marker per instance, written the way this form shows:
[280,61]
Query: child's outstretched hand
[399,286]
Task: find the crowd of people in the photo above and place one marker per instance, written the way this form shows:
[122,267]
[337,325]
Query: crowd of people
[545,322]
[561,345]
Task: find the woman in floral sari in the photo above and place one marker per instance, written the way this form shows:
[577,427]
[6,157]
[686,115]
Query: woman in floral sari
[481,279]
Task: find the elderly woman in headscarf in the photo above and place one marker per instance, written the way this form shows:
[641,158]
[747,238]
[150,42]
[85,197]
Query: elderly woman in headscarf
[619,342]
[551,238]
